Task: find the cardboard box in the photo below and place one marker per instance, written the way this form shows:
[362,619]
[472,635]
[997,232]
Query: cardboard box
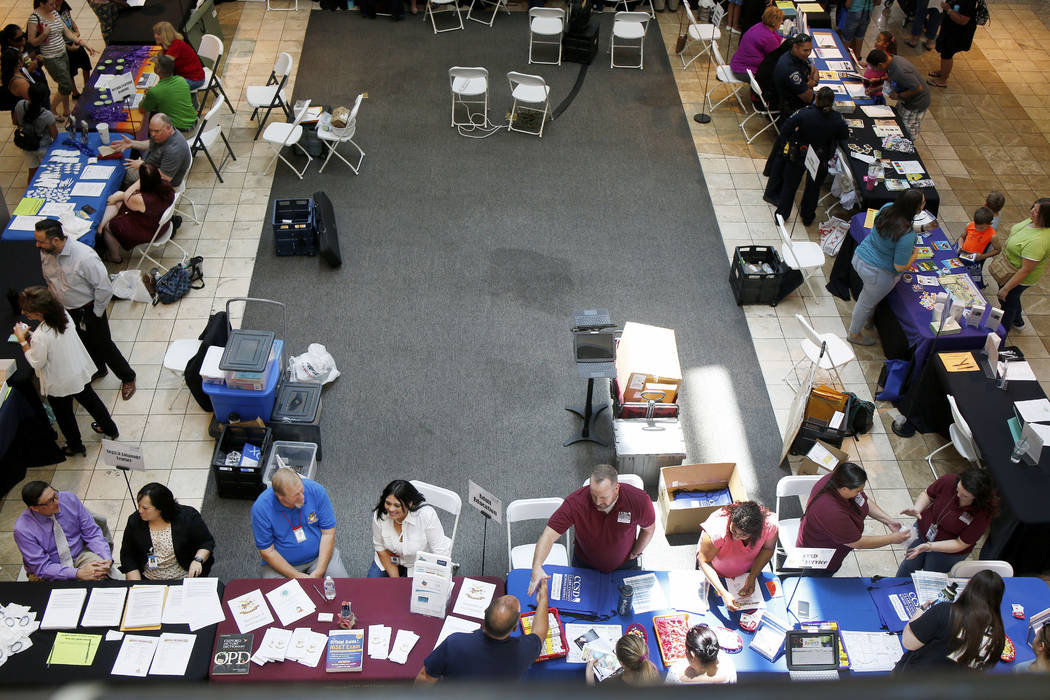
[821,459]
[689,477]
[827,405]
[647,360]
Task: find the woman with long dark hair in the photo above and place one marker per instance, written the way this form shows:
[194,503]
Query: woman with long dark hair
[34,114]
[165,540]
[703,662]
[17,70]
[1027,250]
[63,366]
[404,526]
[882,257]
[968,632]
[132,216]
[952,514]
[736,539]
[835,516]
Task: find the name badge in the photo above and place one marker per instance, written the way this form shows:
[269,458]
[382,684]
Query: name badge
[300,536]
[624,516]
[151,562]
[395,560]
[931,534]
[966,518]
[859,500]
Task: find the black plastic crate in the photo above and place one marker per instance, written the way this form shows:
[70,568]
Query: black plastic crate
[236,481]
[294,227]
[756,288]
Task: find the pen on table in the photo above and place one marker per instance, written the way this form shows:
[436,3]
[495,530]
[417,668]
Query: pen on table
[318,591]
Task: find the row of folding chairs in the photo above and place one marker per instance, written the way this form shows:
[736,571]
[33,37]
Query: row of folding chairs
[470,89]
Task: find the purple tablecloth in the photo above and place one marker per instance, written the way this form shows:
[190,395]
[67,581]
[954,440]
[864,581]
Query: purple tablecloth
[915,319]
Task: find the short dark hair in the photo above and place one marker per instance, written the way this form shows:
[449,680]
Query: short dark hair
[50,228]
[403,491]
[983,216]
[162,499]
[32,492]
[801,39]
[825,98]
[165,66]
[876,57]
[995,200]
[846,475]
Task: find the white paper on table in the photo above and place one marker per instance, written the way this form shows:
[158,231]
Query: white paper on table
[104,607]
[575,632]
[316,643]
[877,111]
[56,208]
[824,39]
[174,611]
[1018,370]
[290,602]
[88,189]
[250,611]
[173,654]
[1032,411]
[474,597]
[837,88]
[379,641]
[102,82]
[96,172]
[145,606]
[297,643]
[872,651]
[856,90]
[135,655]
[454,625]
[274,645]
[688,590]
[648,594]
[887,130]
[751,602]
[928,281]
[64,153]
[200,599]
[403,643]
[841,66]
[863,157]
[63,609]
[114,635]
[828,53]
[23,222]
[908,167]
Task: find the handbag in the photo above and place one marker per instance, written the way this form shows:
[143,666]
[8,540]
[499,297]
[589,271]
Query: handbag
[679,44]
[1000,268]
[179,280]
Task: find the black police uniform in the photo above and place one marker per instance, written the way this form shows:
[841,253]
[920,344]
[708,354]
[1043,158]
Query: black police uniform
[791,76]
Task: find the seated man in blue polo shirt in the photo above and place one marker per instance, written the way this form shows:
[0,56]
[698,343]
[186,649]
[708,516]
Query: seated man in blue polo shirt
[294,528]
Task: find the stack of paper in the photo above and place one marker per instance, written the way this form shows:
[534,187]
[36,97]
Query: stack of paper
[71,649]
[378,641]
[174,611]
[200,600]
[454,625]
[1033,411]
[135,655]
[306,646]
[145,609]
[872,651]
[104,607]
[274,645]
[688,590]
[431,585]
[748,602]
[403,643]
[290,602]
[580,634]
[173,654]
[250,611]
[63,609]
[474,597]
[647,593]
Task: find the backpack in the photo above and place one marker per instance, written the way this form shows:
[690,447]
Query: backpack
[27,137]
[178,281]
[981,15]
[860,416]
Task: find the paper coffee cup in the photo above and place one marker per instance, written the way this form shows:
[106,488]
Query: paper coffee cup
[103,132]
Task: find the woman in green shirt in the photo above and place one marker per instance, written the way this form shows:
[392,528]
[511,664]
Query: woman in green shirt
[1027,249]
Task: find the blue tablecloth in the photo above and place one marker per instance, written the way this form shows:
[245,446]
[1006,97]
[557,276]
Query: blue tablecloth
[746,661]
[98,203]
[915,318]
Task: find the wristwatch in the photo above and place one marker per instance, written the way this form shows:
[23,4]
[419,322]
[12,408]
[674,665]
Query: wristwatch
[198,560]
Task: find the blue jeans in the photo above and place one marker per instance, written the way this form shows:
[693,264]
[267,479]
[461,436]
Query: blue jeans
[928,17]
[878,282]
[376,571]
[195,84]
[1012,308]
[927,561]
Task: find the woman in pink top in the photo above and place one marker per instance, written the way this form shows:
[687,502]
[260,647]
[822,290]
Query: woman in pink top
[736,539]
[757,42]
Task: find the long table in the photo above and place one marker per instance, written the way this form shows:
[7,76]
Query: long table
[134,59]
[30,666]
[97,202]
[134,25]
[374,601]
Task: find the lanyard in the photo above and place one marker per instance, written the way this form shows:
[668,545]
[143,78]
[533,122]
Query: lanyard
[299,519]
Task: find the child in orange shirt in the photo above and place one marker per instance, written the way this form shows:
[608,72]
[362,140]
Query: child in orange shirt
[978,244]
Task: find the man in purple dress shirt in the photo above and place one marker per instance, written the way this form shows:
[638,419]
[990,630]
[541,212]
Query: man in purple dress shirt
[75,549]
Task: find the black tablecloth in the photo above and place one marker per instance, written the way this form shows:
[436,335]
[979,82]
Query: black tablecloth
[29,668]
[134,25]
[879,196]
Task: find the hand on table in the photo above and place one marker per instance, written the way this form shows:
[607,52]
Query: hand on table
[748,588]
[730,602]
[538,575]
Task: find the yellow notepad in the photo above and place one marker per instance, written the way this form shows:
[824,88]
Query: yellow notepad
[29,206]
[809,7]
[73,649]
[959,361]
[869,220]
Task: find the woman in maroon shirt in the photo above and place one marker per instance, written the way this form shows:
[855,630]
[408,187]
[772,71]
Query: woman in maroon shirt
[187,62]
[952,515]
[835,517]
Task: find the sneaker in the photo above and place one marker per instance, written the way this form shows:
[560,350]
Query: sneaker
[176,221]
[1019,323]
[862,340]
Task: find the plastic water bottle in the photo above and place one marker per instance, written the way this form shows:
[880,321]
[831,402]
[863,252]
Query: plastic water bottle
[1020,449]
[329,588]
[623,605]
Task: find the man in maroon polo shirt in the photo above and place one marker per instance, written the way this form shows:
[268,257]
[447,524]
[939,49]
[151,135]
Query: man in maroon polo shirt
[604,515]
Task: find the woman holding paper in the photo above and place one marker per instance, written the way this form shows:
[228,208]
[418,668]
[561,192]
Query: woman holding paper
[164,540]
[735,540]
[835,517]
[404,526]
[952,514]
[1027,250]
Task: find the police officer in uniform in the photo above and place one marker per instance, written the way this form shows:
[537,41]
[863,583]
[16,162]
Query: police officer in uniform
[795,77]
[817,127]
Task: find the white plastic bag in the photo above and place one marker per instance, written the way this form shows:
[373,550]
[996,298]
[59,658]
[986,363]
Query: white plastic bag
[128,284]
[315,365]
[832,233]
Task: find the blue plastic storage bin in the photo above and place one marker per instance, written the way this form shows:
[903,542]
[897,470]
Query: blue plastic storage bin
[247,405]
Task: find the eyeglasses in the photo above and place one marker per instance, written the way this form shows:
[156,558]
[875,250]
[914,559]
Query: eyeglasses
[49,501]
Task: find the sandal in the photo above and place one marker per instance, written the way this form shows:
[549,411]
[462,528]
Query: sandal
[937,83]
[934,74]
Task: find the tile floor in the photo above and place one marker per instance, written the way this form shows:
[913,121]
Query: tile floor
[999,81]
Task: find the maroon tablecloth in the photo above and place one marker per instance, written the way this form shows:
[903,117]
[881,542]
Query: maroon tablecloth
[374,601]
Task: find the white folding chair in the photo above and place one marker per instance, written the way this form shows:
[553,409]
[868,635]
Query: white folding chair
[333,136]
[211,49]
[652,12]
[800,255]
[548,23]
[527,91]
[466,83]
[270,95]
[962,438]
[520,557]
[177,356]
[207,137]
[791,486]
[837,352]
[180,194]
[706,34]
[630,29]
[448,501]
[725,76]
[770,114]
[496,5]
[161,238]
[452,5]
[968,567]
[284,134]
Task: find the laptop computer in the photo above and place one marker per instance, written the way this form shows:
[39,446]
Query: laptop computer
[595,353]
[812,655]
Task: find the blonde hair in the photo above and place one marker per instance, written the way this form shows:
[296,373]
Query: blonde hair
[773,17]
[166,33]
[633,653]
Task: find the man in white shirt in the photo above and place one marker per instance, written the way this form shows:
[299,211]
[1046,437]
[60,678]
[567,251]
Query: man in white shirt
[78,279]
